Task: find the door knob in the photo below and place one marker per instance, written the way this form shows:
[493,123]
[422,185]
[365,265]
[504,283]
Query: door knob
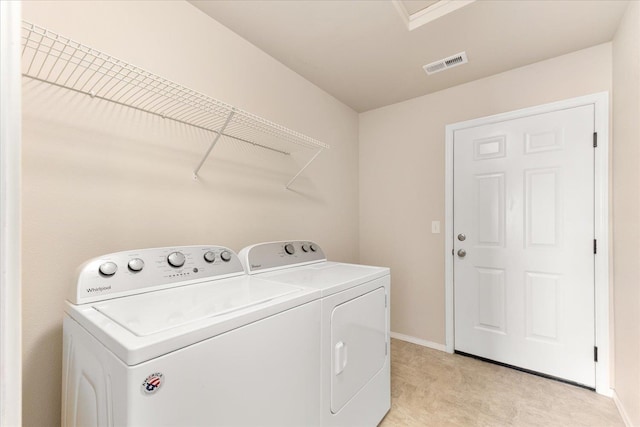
[462,237]
[462,253]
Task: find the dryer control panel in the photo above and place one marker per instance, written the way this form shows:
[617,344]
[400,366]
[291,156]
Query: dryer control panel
[274,255]
[145,270]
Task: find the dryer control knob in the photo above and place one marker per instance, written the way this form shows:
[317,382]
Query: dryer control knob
[136,265]
[176,259]
[288,248]
[225,256]
[209,256]
[108,268]
[305,248]
[313,247]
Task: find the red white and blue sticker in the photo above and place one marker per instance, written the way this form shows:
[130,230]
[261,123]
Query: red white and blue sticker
[152,383]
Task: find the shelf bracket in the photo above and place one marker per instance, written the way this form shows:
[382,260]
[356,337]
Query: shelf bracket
[213,143]
[303,168]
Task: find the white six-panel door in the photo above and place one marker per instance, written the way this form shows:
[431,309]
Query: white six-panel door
[524,269]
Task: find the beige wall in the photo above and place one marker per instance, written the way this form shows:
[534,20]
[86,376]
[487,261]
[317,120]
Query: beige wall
[100,178]
[402,174]
[626,210]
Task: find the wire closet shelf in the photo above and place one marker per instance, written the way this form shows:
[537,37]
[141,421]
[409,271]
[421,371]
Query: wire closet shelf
[60,61]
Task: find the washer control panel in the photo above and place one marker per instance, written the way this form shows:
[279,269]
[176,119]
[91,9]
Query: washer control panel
[274,255]
[144,270]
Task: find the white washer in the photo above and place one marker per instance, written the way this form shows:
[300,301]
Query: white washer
[355,326]
[182,337]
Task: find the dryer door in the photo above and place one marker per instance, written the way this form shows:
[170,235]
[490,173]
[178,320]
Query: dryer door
[358,342]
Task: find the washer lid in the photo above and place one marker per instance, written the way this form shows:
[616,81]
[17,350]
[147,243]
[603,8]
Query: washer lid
[155,312]
[141,327]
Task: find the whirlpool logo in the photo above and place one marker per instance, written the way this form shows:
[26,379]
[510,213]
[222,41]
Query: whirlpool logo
[152,383]
[99,289]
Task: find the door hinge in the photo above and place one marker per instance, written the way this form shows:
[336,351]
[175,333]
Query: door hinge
[595,139]
[385,300]
[595,354]
[386,348]
[595,246]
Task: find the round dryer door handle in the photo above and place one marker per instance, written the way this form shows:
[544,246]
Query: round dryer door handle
[340,357]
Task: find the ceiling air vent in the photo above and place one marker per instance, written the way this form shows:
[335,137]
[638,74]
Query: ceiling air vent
[446,63]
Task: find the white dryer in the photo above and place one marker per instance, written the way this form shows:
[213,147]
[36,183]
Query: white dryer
[182,337]
[355,348]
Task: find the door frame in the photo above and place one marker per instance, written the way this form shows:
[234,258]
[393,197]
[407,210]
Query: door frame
[10,172]
[600,101]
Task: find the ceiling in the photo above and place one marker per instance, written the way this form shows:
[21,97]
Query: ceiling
[362,53]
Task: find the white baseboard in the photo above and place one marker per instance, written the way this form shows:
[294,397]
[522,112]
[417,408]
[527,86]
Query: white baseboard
[414,340]
[623,413]
[608,392]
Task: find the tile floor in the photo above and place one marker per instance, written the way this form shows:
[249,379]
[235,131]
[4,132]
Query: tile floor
[433,388]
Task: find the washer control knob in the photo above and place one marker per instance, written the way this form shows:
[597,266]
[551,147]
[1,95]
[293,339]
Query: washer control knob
[108,268]
[305,247]
[176,259]
[136,265]
[288,248]
[209,256]
[313,247]
[225,256]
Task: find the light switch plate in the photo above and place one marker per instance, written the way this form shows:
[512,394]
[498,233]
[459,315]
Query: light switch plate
[435,227]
